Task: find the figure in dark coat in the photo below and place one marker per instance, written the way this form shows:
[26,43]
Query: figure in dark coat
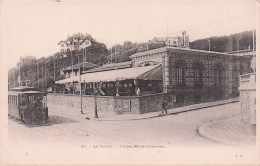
[164,107]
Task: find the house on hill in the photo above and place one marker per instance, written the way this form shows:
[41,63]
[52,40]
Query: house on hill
[72,42]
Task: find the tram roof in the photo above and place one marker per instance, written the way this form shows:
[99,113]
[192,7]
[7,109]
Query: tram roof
[22,89]
[25,92]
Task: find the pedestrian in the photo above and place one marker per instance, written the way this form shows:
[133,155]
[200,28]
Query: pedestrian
[164,107]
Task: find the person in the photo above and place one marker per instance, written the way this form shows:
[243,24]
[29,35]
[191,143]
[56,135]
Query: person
[137,91]
[164,107]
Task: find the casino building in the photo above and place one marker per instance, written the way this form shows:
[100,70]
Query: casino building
[192,76]
[181,76]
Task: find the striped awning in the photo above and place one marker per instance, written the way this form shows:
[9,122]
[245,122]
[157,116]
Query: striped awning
[146,73]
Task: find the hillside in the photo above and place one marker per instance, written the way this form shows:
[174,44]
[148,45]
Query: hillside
[98,53]
[234,42]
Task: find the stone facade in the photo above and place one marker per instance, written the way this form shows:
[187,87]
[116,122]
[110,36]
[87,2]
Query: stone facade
[248,98]
[194,76]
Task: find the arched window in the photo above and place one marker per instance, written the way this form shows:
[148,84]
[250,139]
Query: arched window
[197,68]
[180,72]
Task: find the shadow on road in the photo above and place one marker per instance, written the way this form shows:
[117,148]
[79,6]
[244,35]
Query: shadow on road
[51,121]
[59,120]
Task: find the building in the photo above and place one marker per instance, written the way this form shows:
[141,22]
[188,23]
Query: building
[74,71]
[248,100]
[193,76]
[73,42]
[179,76]
[178,41]
[27,60]
[248,53]
[110,66]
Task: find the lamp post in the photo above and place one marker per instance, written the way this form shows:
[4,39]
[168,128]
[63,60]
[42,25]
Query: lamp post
[95,97]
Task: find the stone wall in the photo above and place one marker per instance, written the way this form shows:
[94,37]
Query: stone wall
[109,104]
[151,103]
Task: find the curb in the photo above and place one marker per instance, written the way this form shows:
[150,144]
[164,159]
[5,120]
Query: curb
[169,112]
[204,133]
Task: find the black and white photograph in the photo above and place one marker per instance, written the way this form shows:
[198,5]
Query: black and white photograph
[129,82]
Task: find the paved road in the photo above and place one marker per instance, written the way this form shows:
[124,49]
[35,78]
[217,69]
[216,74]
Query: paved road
[75,132]
[168,130]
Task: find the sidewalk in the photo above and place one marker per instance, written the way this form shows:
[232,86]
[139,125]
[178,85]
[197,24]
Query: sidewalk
[231,131]
[170,111]
[125,117]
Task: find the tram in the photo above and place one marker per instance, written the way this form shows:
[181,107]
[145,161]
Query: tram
[27,105]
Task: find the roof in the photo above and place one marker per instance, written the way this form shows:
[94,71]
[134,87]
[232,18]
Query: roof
[240,51]
[32,92]
[87,65]
[111,66]
[122,74]
[22,88]
[180,50]
[23,92]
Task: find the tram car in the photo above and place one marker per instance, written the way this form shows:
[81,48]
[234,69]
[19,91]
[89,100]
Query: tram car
[27,105]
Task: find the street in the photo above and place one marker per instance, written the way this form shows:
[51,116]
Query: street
[179,129]
[90,140]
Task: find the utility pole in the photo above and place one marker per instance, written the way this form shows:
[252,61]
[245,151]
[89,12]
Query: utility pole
[167,35]
[37,72]
[81,110]
[14,77]
[44,74]
[83,52]
[209,44]
[54,68]
[19,81]
[254,48]
[115,55]
[111,54]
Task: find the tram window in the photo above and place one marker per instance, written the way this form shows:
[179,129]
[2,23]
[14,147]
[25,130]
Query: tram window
[130,84]
[112,85]
[104,85]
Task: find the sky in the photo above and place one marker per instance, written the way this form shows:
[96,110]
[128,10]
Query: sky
[34,28]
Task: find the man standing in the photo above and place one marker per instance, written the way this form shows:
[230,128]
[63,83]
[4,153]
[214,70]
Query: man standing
[164,107]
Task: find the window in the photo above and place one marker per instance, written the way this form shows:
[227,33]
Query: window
[197,68]
[103,85]
[62,45]
[180,72]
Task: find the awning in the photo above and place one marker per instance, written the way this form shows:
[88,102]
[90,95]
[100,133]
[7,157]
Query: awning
[146,73]
[67,80]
